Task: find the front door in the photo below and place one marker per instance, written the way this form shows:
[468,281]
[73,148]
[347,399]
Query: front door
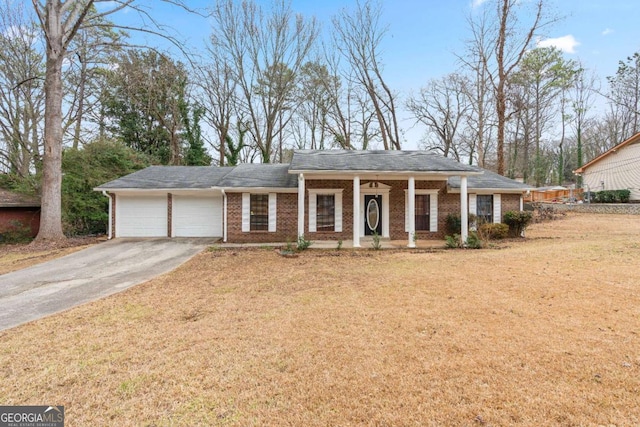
[372,215]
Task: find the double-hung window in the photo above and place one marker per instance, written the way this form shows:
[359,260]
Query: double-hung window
[326,212]
[422,212]
[485,208]
[259,212]
[259,208]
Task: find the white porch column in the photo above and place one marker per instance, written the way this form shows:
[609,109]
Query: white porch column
[464,210]
[356,212]
[411,206]
[301,205]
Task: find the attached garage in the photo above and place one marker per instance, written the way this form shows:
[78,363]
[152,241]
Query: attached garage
[141,215]
[196,216]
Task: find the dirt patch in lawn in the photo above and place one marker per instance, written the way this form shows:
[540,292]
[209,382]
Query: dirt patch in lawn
[18,256]
[542,332]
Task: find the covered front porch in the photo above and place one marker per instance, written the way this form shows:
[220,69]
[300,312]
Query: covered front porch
[367,205]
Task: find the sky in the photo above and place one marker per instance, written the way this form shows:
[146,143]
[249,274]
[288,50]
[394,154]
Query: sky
[424,36]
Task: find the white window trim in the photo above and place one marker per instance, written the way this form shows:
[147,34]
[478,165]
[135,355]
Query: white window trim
[433,208]
[497,204]
[313,203]
[246,211]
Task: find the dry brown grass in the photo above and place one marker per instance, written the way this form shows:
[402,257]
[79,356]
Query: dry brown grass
[542,332]
[18,256]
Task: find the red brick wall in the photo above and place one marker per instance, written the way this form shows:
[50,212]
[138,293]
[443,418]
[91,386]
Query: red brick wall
[510,202]
[113,215]
[169,213]
[22,217]
[287,225]
[347,209]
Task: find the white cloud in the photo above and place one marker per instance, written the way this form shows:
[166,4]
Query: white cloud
[607,31]
[477,3]
[566,43]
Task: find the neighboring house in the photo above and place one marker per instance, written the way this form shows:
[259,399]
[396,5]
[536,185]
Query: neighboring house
[315,196]
[615,169]
[18,211]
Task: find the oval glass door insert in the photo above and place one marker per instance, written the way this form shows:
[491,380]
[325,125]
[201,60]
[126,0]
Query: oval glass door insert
[373,214]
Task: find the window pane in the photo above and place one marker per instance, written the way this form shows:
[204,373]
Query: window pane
[422,212]
[485,208]
[259,212]
[325,212]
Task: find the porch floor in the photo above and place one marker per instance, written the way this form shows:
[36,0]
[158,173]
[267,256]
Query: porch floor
[365,243]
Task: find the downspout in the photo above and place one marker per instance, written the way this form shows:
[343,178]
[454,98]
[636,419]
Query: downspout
[104,192]
[224,216]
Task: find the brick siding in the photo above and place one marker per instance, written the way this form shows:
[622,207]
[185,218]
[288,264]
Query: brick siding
[169,214]
[286,226]
[287,212]
[113,215]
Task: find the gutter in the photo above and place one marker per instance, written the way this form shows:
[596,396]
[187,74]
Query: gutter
[109,225]
[224,215]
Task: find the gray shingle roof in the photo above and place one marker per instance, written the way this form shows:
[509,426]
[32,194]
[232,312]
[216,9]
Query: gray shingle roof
[244,175]
[9,199]
[259,175]
[249,175]
[375,160]
[155,177]
[489,180]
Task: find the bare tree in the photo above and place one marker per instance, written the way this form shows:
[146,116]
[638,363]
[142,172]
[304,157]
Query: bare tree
[314,95]
[442,106]
[21,92]
[624,94]
[508,40]
[582,100]
[358,39]
[90,54]
[217,88]
[545,75]
[479,91]
[266,50]
[60,21]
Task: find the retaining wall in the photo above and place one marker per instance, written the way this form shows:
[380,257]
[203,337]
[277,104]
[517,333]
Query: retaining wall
[609,208]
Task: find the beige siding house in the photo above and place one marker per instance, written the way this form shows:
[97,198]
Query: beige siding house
[616,169]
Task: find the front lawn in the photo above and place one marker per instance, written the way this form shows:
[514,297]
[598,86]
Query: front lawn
[543,331]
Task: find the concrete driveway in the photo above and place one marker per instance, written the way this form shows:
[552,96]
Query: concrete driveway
[87,275]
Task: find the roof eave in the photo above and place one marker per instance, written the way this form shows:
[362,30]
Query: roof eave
[456,190]
[382,172]
[161,189]
[628,141]
[257,189]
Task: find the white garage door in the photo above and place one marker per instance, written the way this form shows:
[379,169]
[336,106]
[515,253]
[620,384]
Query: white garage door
[197,216]
[141,216]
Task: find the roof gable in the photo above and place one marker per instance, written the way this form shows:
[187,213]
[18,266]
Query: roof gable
[633,140]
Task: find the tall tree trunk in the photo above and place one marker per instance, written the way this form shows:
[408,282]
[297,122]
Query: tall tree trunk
[51,208]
